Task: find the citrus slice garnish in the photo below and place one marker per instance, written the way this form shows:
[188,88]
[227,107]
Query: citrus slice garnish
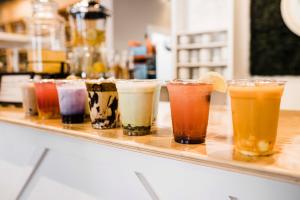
[218,81]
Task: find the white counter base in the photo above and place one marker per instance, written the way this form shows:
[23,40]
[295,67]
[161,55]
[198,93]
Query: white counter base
[37,164]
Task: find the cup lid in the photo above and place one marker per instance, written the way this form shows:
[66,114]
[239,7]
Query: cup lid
[89,9]
[75,82]
[44,81]
[255,82]
[188,82]
[100,80]
[132,86]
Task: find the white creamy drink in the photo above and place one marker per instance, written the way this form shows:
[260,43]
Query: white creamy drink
[29,99]
[156,94]
[136,101]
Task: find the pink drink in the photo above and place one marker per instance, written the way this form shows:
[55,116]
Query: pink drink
[47,99]
[189,108]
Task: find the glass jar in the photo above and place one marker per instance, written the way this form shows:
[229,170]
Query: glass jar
[47,32]
[88,28]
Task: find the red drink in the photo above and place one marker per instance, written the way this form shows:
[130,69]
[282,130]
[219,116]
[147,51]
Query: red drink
[189,108]
[47,99]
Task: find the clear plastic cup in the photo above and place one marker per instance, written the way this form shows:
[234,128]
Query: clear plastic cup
[255,108]
[47,99]
[72,100]
[137,101]
[103,103]
[189,100]
[158,84]
[29,99]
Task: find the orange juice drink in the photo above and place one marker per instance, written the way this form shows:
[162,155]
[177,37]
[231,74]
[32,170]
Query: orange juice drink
[255,108]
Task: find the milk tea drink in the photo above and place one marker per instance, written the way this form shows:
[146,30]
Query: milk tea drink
[137,100]
[29,99]
[103,103]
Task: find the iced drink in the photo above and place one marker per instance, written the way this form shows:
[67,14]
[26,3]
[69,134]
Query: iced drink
[103,103]
[47,99]
[136,106]
[157,91]
[72,99]
[255,108]
[29,99]
[189,102]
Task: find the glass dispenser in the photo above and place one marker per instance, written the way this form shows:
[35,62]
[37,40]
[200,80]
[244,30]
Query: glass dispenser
[88,27]
[47,53]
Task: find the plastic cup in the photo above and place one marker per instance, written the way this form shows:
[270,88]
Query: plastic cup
[47,99]
[189,102]
[156,99]
[103,103]
[29,99]
[72,100]
[156,94]
[255,108]
[137,99]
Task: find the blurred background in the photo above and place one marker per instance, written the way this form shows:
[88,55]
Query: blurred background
[148,39]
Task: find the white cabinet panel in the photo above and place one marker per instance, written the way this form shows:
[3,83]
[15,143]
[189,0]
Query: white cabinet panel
[68,177]
[78,169]
[18,160]
[174,180]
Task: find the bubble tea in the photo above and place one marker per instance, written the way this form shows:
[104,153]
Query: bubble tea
[29,99]
[72,99]
[137,99]
[156,94]
[103,103]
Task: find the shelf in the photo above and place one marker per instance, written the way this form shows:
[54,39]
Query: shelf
[201,32]
[202,46]
[10,40]
[206,64]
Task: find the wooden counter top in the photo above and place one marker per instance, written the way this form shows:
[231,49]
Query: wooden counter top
[284,165]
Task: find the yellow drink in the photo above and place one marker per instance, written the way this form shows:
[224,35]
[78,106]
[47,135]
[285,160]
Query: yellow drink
[255,111]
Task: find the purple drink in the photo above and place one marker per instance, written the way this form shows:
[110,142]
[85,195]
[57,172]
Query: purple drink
[72,99]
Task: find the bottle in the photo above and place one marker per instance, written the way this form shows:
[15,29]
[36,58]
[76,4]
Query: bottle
[88,31]
[47,53]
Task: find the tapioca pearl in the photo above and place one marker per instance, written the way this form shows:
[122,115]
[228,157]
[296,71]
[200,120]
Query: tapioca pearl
[263,146]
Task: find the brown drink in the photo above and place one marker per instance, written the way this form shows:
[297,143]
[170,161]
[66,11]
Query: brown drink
[103,103]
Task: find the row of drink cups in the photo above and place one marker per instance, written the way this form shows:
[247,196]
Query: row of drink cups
[104,100]
[134,105]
